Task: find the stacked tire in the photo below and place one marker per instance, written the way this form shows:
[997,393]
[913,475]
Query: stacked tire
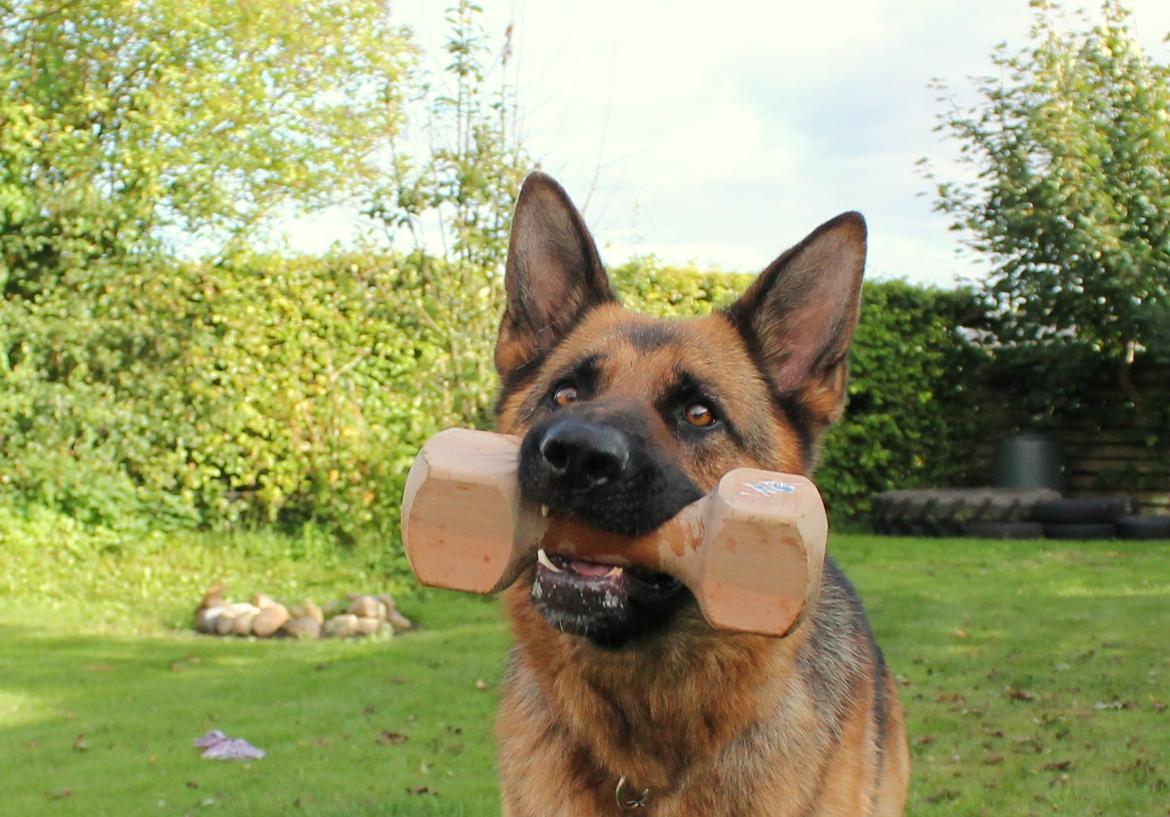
[1001,513]
[1143,527]
[1106,517]
[1084,517]
[986,512]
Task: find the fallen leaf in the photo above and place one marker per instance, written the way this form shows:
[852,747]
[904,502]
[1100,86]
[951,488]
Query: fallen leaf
[80,744]
[1019,694]
[422,790]
[388,738]
[942,796]
[480,683]
[1029,740]
[924,740]
[60,794]
[1057,766]
[993,760]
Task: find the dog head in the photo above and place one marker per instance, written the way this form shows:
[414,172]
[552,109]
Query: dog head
[626,419]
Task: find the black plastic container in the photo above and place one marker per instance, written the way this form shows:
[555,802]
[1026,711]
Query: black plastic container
[1029,460]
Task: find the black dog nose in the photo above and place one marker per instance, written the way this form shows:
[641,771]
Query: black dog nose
[585,454]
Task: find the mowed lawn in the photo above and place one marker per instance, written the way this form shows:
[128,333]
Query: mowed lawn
[1035,677]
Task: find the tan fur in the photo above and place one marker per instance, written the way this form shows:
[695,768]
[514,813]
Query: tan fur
[712,723]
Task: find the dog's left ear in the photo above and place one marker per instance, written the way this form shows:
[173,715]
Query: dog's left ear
[553,274]
[799,315]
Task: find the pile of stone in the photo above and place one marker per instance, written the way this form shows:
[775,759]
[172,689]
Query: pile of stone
[264,617]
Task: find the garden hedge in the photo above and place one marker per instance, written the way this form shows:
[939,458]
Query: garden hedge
[293,391]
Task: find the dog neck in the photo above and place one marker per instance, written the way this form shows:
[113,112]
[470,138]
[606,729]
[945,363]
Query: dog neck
[636,712]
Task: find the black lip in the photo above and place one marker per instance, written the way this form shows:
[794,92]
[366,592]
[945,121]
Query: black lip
[611,611]
[646,583]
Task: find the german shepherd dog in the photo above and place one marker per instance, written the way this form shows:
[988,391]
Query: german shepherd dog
[620,698]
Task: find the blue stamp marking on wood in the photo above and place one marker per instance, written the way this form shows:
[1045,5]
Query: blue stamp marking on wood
[771,487]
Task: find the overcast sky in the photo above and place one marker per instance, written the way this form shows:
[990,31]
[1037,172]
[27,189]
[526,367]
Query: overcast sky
[722,132]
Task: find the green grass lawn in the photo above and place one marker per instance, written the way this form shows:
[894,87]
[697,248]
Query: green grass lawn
[1035,677]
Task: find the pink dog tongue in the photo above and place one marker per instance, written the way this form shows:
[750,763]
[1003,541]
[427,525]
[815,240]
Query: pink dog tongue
[589,568]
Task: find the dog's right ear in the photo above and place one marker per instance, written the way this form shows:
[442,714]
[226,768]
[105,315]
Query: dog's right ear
[553,277]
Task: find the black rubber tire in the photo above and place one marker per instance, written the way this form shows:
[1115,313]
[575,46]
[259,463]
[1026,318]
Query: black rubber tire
[1006,530]
[1080,530]
[1143,527]
[949,511]
[1089,510]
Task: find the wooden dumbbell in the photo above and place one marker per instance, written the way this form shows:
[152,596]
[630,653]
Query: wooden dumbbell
[751,551]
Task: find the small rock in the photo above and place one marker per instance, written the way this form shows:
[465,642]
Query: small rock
[308,609]
[399,622]
[367,607]
[205,618]
[262,600]
[223,622]
[342,626]
[368,625]
[242,624]
[269,620]
[214,597]
[302,627]
[386,599]
[241,607]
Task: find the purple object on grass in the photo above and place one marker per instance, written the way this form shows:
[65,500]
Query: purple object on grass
[218,746]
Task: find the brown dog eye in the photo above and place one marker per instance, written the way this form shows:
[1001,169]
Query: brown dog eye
[565,395]
[699,415]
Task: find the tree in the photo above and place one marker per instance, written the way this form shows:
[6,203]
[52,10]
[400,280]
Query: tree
[1069,149]
[459,187]
[130,126]
[123,121]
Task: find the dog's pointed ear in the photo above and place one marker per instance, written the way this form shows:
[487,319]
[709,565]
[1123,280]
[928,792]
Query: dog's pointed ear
[799,315]
[553,276]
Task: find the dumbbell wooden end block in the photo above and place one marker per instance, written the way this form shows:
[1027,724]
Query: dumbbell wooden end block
[751,551]
[763,553]
[460,511]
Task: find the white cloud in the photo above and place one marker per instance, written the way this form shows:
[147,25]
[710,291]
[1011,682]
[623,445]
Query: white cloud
[722,132]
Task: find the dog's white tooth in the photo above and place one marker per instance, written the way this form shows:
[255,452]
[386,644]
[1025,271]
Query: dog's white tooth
[544,510]
[542,557]
[614,571]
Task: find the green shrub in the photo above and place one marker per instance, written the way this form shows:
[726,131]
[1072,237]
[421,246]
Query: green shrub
[297,391]
[276,390]
[910,422]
